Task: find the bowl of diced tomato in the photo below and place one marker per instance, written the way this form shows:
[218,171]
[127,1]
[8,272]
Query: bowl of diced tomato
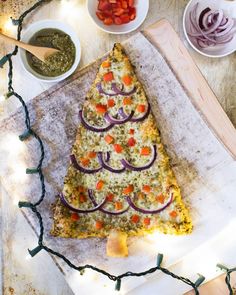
[118,16]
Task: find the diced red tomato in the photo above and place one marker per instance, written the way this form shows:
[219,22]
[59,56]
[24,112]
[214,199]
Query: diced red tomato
[82,198]
[131,142]
[92,155]
[100,15]
[118,205]
[131,3]
[124,4]
[117,20]
[160,198]
[135,218]
[100,185]
[173,214]
[129,189]
[108,21]
[106,64]
[146,221]
[145,151]
[108,77]
[141,108]
[109,139]
[104,5]
[80,189]
[127,80]
[146,188]
[127,101]
[111,103]
[99,224]
[131,131]
[116,11]
[101,108]
[125,18]
[85,161]
[74,216]
[118,148]
[110,197]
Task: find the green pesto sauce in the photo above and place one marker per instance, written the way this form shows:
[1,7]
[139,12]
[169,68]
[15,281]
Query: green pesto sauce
[58,63]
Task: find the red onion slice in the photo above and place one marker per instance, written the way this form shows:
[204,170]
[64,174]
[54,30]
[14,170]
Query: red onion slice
[78,210]
[115,89]
[211,27]
[121,91]
[145,211]
[129,166]
[139,119]
[115,121]
[102,91]
[93,128]
[82,169]
[90,192]
[107,167]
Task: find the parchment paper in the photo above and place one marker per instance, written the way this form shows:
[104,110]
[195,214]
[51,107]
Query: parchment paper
[195,153]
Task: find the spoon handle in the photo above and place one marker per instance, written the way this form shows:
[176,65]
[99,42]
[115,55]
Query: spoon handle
[14,42]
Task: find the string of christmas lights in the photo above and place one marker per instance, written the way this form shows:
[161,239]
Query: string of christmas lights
[29,132]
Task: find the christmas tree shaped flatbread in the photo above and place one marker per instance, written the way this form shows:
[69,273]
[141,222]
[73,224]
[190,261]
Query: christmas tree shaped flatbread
[119,182]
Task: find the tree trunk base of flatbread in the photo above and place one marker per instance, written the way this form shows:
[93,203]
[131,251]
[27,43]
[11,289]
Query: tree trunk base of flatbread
[117,244]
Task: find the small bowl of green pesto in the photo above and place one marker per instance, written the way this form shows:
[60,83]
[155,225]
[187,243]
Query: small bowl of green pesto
[52,34]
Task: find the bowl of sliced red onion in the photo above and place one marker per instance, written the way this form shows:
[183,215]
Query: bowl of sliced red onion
[210,26]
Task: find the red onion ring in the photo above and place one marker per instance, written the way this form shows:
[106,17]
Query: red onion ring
[105,166]
[82,169]
[145,211]
[129,166]
[72,208]
[139,119]
[92,128]
[211,28]
[115,121]
[90,193]
[102,91]
[120,91]
[115,89]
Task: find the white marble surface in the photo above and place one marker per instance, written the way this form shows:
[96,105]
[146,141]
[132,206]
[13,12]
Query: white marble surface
[30,278]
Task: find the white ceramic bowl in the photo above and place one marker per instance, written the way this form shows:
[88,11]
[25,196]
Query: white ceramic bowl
[142,7]
[46,24]
[229,8]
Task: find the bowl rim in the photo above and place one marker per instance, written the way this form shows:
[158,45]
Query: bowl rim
[119,32]
[192,45]
[77,44]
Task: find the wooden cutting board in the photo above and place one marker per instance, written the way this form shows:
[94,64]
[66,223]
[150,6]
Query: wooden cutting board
[162,35]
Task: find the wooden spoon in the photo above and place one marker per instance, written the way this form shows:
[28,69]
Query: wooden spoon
[40,52]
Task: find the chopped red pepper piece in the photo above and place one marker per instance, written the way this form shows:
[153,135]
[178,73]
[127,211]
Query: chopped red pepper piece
[108,77]
[100,185]
[146,221]
[127,80]
[109,139]
[118,148]
[135,218]
[101,108]
[74,216]
[110,197]
[141,108]
[145,151]
[111,103]
[99,224]
[146,188]
[129,189]
[131,142]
